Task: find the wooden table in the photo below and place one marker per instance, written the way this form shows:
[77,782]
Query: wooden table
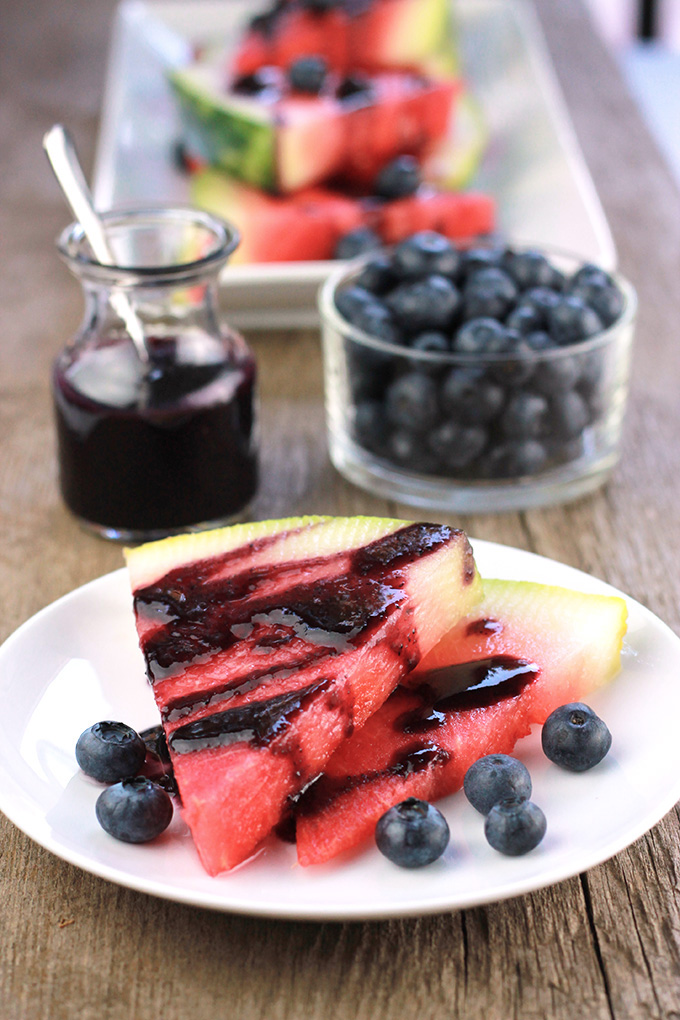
[606,943]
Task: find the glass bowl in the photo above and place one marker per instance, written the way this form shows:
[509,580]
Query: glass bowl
[468,432]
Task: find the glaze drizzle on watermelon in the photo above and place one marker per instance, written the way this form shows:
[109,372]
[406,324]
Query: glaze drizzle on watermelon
[265,655]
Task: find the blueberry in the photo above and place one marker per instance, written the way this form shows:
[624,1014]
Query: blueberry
[376,320]
[470,397]
[490,292]
[575,738]
[457,446]
[412,834]
[411,402]
[524,416]
[308,74]
[134,810]
[539,340]
[351,300]
[525,319]
[376,275]
[542,300]
[515,459]
[399,178]
[429,303]
[265,83]
[475,259]
[424,253]
[514,826]
[569,415]
[589,273]
[356,242]
[407,449]
[571,320]
[431,341]
[496,777]
[480,336]
[556,375]
[370,427]
[604,298]
[353,85]
[517,367]
[110,751]
[532,269]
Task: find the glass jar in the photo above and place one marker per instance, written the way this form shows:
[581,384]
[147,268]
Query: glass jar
[156,434]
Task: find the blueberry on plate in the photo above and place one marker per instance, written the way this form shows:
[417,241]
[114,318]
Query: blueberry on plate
[134,810]
[428,303]
[575,738]
[489,292]
[412,834]
[399,178]
[424,253]
[356,242]
[110,751]
[496,777]
[308,74]
[514,826]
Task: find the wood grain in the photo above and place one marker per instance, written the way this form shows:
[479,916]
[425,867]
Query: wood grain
[602,945]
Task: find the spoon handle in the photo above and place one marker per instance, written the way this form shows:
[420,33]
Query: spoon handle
[61,153]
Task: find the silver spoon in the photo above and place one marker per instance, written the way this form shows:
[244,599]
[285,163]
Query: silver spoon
[61,153]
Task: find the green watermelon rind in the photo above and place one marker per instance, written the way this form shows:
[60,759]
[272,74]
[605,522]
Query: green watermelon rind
[233,136]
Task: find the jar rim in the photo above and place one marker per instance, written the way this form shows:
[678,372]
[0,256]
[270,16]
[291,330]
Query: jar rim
[226,239]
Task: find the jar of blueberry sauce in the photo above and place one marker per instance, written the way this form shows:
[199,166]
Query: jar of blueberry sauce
[155,418]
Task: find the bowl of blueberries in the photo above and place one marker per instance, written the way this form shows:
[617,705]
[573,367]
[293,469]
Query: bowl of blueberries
[477,378]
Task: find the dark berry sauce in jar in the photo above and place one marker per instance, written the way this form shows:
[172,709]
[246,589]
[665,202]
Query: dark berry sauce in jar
[150,449]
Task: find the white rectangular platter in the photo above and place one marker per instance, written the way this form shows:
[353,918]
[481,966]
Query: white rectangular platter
[532,165]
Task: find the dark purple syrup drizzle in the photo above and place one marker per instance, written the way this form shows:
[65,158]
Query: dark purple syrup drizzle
[451,689]
[200,615]
[258,722]
[484,626]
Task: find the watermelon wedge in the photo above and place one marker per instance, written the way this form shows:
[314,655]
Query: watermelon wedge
[525,650]
[267,643]
[385,34]
[307,226]
[281,140]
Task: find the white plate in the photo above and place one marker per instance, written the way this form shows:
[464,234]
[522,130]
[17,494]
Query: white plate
[77,661]
[533,165]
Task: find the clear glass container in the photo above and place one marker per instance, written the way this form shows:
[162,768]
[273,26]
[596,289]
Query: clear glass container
[157,435]
[446,453]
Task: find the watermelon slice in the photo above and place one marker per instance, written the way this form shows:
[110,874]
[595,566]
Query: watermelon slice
[282,141]
[386,34]
[308,225]
[267,643]
[525,650]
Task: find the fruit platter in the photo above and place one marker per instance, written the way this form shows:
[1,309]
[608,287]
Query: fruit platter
[79,660]
[508,145]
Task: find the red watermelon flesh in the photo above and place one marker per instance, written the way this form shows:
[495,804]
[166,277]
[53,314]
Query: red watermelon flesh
[308,225]
[267,643]
[386,34]
[524,651]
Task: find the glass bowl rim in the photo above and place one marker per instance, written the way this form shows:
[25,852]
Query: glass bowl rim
[331,315]
[226,239]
